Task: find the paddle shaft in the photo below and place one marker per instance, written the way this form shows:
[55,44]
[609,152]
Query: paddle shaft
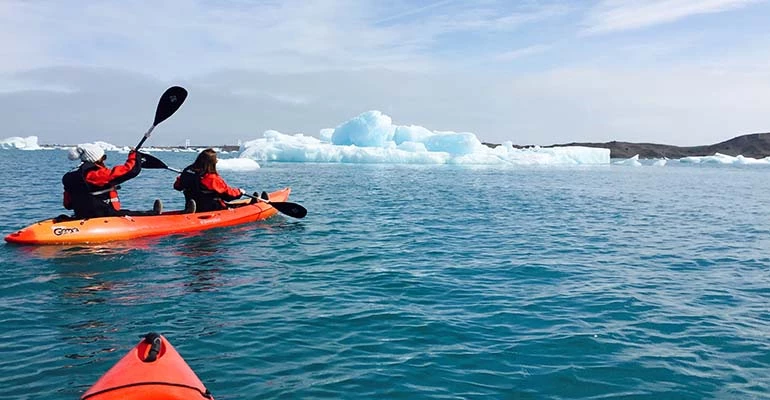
[146,135]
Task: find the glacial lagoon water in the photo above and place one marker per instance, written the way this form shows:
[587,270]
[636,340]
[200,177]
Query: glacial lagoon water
[434,282]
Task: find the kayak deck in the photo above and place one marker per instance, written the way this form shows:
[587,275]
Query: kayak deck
[105,229]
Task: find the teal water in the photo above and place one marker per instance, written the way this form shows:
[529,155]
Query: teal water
[410,282]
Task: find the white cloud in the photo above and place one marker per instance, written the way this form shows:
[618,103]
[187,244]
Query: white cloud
[522,52]
[619,15]
[182,38]
[411,10]
[685,106]
[79,70]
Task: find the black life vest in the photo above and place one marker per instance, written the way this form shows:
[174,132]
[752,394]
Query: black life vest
[205,199]
[90,201]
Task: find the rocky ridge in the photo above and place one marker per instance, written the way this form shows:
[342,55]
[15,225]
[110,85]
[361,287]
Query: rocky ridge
[755,145]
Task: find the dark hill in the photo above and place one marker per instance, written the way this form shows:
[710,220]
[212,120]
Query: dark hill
[755,145]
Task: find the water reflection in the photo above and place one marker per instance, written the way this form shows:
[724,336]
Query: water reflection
[204,280]
[109,249]
[91,293]
[112,287]
[90,337]
[206,258]
[86,335]
[201,245]
[278,226]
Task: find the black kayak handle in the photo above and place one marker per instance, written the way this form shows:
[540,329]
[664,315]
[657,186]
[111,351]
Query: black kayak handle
[153,339]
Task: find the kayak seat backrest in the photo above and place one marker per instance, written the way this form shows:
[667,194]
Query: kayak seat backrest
[62,218]
[190,207]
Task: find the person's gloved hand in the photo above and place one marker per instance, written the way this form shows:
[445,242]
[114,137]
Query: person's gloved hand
[137,156]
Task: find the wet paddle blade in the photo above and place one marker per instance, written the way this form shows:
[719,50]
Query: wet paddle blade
[152,162]
[284,207]
[169,102]
[291,209]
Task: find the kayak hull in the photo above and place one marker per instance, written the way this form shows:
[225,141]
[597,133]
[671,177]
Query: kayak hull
[105,229]
[153,369]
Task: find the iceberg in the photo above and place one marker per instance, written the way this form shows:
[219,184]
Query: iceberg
[719,158]
[371,137]
[237,164]
[632,162]
[21,143]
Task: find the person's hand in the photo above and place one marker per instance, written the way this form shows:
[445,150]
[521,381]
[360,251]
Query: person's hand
[242,191]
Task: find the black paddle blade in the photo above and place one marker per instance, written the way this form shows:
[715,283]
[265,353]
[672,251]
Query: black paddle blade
[291,209]
[169,102]
[151,162]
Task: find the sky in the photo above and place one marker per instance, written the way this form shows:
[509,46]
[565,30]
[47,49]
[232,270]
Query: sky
[531,72]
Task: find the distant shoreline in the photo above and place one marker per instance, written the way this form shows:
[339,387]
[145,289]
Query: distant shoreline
[754,145]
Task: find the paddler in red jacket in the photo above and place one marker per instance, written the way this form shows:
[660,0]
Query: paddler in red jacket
[91,190]
[201,183]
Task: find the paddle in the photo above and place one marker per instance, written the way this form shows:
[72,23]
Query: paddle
[151,162]
[169,102]
[291,209]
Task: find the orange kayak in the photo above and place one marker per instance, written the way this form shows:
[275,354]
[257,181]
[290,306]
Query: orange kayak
[151,370]
[104,229]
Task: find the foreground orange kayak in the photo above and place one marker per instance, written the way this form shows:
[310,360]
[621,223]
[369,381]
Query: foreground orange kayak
[151,370]
[104,229]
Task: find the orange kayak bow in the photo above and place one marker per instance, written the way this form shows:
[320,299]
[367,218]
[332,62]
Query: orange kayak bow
[151,370]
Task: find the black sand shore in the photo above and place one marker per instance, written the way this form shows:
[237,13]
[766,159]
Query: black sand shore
[755,145]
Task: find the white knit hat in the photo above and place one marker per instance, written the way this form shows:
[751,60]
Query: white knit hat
[86,152]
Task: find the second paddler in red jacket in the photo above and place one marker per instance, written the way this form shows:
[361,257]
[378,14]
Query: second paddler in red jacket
[201,183]
[91,190]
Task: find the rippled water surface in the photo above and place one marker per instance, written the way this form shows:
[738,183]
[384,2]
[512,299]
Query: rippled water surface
[410,282]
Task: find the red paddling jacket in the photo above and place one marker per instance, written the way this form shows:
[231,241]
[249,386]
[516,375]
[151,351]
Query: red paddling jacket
[90,190]
[208,190]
